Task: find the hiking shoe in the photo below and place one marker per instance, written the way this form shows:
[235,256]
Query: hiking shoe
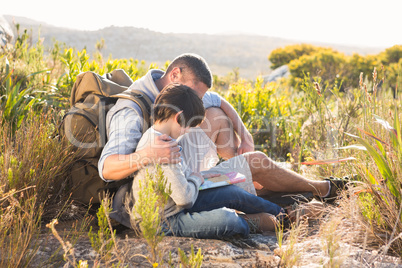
[310,210]
[285,198]
[260,222]
[337,185]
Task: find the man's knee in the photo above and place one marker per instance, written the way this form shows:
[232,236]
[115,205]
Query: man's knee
[216,122]
[214,111]
[215,118]
[258,160]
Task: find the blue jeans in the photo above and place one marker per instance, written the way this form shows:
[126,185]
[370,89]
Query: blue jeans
[212,215]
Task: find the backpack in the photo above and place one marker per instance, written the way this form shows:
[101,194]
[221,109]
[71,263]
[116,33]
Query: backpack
[84,127]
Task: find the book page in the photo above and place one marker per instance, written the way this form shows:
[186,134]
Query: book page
[223,180]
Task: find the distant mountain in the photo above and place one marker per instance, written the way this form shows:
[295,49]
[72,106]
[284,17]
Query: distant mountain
[223,52]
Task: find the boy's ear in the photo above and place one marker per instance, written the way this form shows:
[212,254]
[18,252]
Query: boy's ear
[176,117]
[176,75]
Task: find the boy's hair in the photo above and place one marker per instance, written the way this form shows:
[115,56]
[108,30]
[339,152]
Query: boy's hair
[193,64]
[174,98]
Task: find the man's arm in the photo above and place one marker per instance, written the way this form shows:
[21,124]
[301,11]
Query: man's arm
[120,166]
[246,140]
[119,158]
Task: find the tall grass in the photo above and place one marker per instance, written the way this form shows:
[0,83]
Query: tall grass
[381,169]
[20,221]
[33,157]
[32,182]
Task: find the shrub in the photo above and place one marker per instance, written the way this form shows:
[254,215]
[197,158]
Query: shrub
[104,240]
[148,211]
[266,112]
[357,64]
[391,55]
[79,61]
[326,65]
[282,56]
[33,157]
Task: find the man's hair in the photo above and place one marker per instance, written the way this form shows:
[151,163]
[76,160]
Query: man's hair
[193,64]
[175,98]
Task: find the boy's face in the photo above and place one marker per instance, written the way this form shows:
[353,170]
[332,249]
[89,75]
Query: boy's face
[177,130]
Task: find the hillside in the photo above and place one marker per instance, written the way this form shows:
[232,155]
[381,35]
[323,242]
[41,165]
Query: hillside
[223,52]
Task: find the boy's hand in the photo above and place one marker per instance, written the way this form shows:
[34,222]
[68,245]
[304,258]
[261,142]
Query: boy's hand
[211,175]
[199,175]
[163,150]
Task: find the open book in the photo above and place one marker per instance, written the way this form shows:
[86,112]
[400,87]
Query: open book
[223,180]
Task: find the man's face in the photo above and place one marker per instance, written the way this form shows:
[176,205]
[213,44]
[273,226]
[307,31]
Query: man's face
[199,87]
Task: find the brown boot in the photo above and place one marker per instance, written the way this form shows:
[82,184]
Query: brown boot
[260,222]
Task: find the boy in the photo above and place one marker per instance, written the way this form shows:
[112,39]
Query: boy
[190,212]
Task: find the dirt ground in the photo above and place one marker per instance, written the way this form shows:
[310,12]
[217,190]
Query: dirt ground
[258,250]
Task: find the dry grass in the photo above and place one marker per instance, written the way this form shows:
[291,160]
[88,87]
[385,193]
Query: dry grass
[32,176]
[19,224]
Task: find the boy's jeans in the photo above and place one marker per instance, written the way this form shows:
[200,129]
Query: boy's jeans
[212,215]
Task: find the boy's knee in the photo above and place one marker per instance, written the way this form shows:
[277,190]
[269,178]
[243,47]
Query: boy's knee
[233,192]
[234,225]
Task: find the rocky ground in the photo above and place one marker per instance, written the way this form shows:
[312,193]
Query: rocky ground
[256,251]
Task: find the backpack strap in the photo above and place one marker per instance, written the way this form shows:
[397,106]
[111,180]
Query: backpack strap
[143,101]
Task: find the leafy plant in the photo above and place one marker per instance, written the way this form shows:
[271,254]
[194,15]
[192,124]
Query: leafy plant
[15,102]
[192,261]
[104,240]
[148,211]
[381,201]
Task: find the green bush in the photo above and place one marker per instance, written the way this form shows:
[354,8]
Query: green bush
[266,110]
[327,65]
[330,65]
[357,64]
[103,241]
[148,211]
[391,55]
[282,56]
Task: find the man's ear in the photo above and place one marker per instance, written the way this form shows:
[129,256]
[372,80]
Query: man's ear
[175,75]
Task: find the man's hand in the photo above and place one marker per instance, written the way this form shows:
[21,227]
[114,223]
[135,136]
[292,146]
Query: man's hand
[246,144]
[163,150]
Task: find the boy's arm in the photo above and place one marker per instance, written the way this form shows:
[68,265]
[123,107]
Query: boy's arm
[184,189]
[246,140]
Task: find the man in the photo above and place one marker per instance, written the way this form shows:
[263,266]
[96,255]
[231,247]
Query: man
[120,159]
